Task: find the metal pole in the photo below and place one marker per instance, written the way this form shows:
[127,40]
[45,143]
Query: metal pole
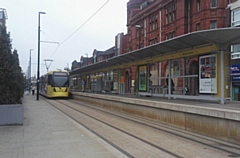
[38,64]
[169,79]
[30,67]
[222,99]
[87,58]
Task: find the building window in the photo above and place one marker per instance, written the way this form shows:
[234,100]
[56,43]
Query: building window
[213,3]
[166,19]
[153,22]
[170,35]
[198,27]
[236,17]
[153,41]
[170,13]
[1,15]
[235,55]
[173,34]
[236,48]
[213,24]
[198,5]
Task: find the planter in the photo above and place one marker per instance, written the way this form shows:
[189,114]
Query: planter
[11,114]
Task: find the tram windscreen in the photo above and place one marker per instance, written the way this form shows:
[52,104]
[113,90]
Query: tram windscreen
[60,79]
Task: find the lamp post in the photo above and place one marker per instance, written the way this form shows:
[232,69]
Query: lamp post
[87,58]
[48,65]
[30,67]
[39,13]
[67,66]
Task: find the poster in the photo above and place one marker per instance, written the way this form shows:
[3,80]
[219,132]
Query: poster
[142,77]
[235,72]
[207,74]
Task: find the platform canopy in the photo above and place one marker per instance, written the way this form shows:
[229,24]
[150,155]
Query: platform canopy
[222,38]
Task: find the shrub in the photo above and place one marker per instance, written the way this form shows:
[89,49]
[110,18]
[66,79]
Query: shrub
[11,77]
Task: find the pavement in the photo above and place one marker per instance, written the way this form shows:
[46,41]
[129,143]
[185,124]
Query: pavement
[48,133]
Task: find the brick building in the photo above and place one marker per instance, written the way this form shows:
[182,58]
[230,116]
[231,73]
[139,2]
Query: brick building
[153,21]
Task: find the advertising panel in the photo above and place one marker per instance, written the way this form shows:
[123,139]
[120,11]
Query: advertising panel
[235,72]
[207,74]
[142,78]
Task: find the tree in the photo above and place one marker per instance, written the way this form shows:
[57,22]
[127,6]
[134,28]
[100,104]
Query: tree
[11,77]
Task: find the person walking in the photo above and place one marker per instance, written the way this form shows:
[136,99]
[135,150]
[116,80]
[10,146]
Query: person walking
[33,90]
[172,84]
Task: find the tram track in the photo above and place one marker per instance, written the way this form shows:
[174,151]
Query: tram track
[158,144]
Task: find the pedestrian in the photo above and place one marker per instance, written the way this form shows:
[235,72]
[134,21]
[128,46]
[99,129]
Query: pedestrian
[172,84]
[33,90]
[186,90]
[83,85]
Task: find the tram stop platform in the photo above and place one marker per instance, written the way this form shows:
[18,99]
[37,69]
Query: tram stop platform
[210,118]
[48,133]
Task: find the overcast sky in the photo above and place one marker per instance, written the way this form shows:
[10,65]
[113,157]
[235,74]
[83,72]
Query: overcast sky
[62,19]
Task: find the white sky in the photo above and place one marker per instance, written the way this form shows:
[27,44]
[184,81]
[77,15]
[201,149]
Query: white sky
[62,18]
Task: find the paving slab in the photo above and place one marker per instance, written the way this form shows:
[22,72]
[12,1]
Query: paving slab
[48,133]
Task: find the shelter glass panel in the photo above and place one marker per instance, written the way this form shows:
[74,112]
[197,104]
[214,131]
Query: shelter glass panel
[115,80]
[184,76]
[142,78]
[157,72]
[191,65]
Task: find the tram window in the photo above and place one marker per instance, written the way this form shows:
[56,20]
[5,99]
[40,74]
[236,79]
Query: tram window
[50,80]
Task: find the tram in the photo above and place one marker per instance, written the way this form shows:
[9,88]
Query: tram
[55,84]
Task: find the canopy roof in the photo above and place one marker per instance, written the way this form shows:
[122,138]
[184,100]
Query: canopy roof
[222,38]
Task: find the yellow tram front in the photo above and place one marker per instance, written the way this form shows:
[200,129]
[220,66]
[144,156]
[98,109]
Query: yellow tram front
[55,84]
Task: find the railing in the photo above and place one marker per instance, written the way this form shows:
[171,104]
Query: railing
[157,88]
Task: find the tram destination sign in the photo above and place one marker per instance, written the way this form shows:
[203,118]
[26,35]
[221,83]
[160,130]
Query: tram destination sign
[60,73]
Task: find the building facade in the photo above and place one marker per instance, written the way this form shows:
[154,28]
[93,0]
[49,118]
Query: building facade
[197,71]
[235,53]
[154,21]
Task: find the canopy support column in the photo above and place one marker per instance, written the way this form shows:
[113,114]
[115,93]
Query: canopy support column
[222,100]
[169,79]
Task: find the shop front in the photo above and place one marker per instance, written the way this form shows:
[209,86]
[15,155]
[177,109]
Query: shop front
[235,79]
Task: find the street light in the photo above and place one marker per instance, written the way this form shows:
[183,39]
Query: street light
[67,67]
[87,58]
[39,13]
[30,68]
[48,65]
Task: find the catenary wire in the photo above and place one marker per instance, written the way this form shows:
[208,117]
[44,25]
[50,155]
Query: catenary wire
[79,27]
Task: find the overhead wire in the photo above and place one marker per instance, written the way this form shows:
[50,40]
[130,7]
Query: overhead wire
[79,27]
